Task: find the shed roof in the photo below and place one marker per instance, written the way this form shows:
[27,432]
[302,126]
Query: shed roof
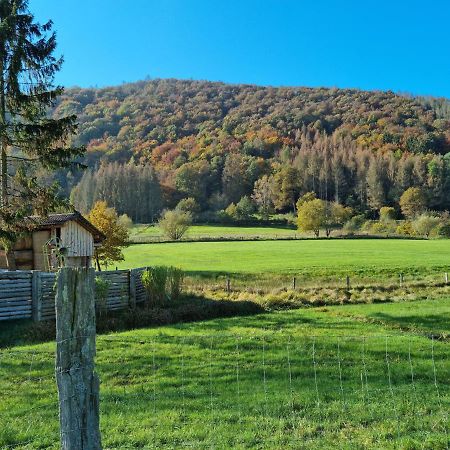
[55,220]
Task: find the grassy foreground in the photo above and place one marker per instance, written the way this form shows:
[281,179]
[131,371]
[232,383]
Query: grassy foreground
[367,376]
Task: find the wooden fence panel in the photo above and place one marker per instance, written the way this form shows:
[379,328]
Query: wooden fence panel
[47,294]
[118,296]
[141,294]
[31,294]
[15,295]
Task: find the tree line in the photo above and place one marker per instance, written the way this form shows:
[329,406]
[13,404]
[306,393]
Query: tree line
[334,168]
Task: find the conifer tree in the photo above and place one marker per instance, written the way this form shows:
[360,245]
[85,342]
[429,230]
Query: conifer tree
[29,139]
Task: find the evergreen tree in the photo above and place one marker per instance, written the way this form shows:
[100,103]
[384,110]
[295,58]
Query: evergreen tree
[29,139]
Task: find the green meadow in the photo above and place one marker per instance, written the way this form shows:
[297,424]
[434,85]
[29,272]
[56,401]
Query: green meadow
[150,233]
[370,376]
[308,257]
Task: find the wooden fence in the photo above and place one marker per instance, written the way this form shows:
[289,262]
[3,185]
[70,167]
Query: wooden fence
[31,294]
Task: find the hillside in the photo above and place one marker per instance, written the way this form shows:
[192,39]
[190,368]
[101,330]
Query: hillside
[213,141]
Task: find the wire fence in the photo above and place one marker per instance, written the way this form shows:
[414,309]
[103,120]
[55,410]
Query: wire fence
[227,390]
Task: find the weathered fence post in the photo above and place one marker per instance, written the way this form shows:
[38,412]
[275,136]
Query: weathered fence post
[446,277]
[36,298]
[347,281]
[78,385]
[228,284]
[401,280]
[294,282]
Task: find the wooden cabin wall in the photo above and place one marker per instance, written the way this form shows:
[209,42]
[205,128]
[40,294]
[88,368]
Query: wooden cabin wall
[79,241]
[24,254]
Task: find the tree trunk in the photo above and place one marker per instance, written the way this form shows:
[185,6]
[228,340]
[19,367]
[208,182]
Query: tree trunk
[11,259]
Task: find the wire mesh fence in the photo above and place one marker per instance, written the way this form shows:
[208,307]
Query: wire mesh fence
[265,390]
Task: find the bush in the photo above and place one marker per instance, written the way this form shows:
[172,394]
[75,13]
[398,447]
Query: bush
[175,223]
[101,295]
[189,205]
[162,284]
[125,221]
[354,224]
[425,224]
[405,229]
[444,230]
[387,214]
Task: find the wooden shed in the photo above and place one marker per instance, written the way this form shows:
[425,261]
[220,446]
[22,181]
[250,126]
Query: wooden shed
[55,241]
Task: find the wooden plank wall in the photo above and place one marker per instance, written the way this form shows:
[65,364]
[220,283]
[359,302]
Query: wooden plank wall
[118,288]
[15,295]
[31,294]
[141,295]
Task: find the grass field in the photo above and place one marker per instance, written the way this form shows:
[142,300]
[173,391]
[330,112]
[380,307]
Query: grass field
[144,233]
[308,257]
[346,377]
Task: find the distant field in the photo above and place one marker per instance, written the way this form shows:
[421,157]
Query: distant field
[148,233]
[319,378]
[308,257]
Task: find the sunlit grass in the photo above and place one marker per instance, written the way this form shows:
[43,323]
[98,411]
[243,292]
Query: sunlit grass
[367,376]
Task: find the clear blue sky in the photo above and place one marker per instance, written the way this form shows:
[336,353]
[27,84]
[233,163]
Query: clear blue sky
[397,44]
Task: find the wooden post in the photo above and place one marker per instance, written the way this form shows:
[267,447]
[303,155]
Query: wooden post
[228,284]
[446,277]
[78,385]
[347,280]
[36,297]
[294,282]
[401,280]
[132,288]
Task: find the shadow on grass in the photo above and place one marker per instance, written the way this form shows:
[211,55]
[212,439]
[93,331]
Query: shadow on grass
[437,325]
[186,310]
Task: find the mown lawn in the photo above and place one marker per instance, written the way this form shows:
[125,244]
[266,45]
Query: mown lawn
[369,376]
[307,257]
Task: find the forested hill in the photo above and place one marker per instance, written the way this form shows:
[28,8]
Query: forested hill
[133,119]
[232,135]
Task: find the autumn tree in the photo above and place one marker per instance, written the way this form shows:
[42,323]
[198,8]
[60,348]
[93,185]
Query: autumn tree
[175,223]
[312,216]
[108,222]
[336,215]
[188,205]
[29,139]
[287,188]
[263,195]
[412,202]
[387,214]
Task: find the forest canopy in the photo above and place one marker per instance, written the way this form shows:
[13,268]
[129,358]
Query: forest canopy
[213,141]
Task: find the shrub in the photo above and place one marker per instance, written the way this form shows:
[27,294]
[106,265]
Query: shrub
[387,214]
[125,221]
[175,223]
[189,205]
[405,229]
[425,224]
[354,224]
[101,295]
[444,230]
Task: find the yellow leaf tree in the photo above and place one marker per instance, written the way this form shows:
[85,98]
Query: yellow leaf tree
[107,221]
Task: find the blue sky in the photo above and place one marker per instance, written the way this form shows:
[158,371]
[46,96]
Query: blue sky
[399,45]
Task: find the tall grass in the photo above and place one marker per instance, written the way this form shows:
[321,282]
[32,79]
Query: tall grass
[163,284]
